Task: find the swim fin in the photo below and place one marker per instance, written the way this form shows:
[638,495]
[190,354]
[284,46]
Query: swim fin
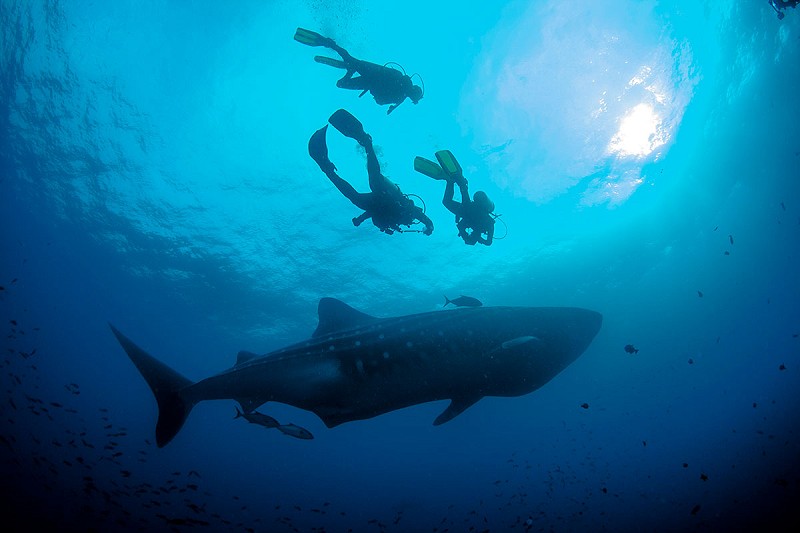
[429,168]
[349,125]
[310,38]
[449,163]
[331,62]
[318,150]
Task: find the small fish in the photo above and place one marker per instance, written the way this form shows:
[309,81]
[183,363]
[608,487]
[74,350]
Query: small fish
[783,206]
[727,252]
[782,367]
[695,509]
[691,361]
[631,349]
[730,238]
[463,301]
[704,477]
[295,431]
[699,294]
[258,418]
[585,405]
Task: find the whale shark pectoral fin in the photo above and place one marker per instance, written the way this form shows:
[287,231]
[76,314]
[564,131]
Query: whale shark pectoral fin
[456,407]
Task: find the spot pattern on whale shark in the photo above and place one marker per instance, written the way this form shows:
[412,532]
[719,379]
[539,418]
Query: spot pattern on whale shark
[356,366]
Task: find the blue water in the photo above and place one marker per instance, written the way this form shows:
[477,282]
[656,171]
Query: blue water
[155,175]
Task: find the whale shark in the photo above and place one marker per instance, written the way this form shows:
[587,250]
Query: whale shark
[356,366]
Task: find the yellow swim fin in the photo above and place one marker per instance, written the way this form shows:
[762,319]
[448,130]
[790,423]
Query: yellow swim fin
[331,62]
[429,168]
[449,163]
[308,37]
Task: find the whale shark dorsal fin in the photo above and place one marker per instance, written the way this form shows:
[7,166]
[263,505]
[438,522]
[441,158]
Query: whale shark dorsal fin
[243,357]
[456,407]
[335,315]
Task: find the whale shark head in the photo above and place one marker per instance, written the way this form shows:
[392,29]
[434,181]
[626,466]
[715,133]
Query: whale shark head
[527,347]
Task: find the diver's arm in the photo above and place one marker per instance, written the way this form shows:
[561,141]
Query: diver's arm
[422,217]
[394,106]
[361,218]
[489,236]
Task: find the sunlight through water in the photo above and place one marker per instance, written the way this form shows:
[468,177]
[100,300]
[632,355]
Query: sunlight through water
[582,98]
[638,133]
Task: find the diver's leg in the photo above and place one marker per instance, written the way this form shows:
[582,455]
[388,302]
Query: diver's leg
[359,199]
[351,64]
[463,187]
[447,200]
[346,57]
[377,181]
[357,83]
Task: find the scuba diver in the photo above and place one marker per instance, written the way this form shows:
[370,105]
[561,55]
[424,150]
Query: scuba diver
[780,5]
[474,217]
[387,85]
[386,204]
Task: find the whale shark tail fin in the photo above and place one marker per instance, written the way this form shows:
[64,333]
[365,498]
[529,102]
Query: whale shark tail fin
[168,387]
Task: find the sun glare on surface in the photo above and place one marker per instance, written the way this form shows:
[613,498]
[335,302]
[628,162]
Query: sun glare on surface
[638,133]
[569,105]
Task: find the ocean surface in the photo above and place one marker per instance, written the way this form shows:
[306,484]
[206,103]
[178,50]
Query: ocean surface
[643,158]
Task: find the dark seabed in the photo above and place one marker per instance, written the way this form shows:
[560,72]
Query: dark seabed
[155,175]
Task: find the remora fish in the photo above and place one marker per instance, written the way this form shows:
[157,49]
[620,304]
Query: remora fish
[258,418]
[463,301]
[356,366]
[293,430]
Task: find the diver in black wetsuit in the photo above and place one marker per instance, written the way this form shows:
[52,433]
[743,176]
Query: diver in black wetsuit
[474,218]
[387,85]
[780,5]
[386,204]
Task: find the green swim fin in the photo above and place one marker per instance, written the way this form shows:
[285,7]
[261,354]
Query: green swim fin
[429,168]
[331,62]
[310,38]
[449,163]
[349,125]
